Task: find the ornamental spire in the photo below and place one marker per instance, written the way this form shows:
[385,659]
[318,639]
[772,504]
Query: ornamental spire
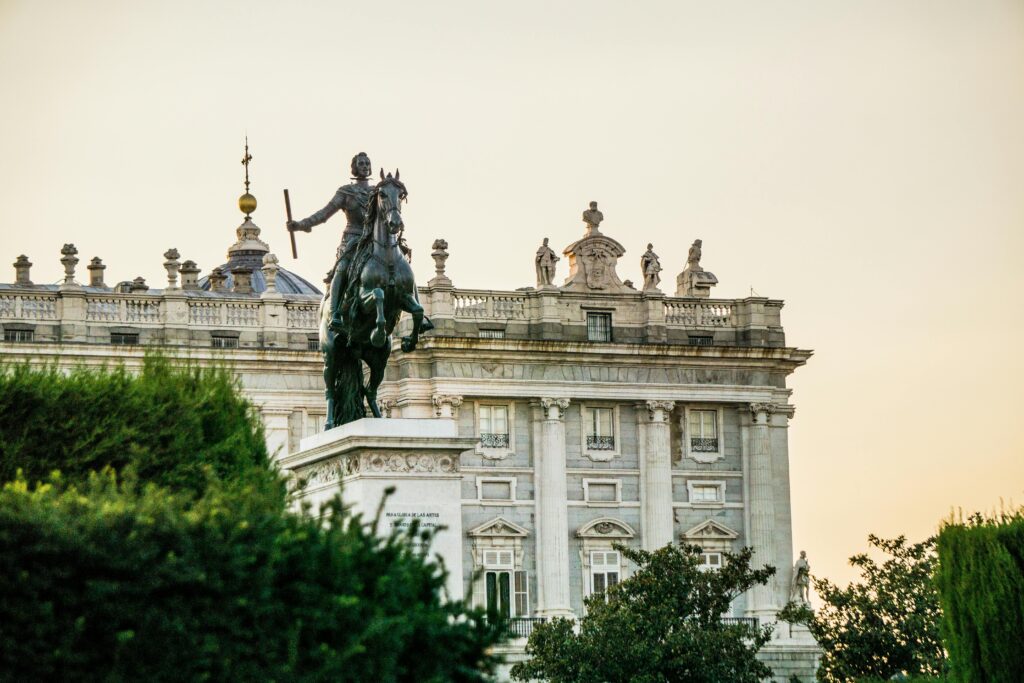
[247,203]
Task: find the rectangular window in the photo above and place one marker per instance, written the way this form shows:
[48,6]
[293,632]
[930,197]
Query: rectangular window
[704,493]
[600,429]
[224,342]
[602,492]
[709,561]
[312,344]
[704,431]
[19,335]
[494,426]
[522,594]
[701,340]
[599,327]
[604,570]
[125,338]
[499,593]
[495,490]
[492,334]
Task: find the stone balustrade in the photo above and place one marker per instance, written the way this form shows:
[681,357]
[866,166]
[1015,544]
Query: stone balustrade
[545,314]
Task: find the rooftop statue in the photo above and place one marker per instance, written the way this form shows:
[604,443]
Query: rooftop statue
[592,217]
[650,266]
[371,284]
[693,257]
[545,261]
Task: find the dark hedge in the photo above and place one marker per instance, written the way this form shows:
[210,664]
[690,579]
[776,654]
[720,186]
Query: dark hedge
[177,426]
[981,585]
[113,582]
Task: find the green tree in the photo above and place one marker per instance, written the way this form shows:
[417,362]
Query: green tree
[118,581]
[176,425]
[886,624]
[661,624]
[981,582]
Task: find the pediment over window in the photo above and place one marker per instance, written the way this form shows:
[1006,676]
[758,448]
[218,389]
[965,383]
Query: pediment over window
[710,530]
[605,527]
[499,527]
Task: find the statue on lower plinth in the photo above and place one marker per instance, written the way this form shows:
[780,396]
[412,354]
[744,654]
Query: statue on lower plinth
[545,262]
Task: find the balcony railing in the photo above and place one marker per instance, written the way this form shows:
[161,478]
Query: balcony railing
[600,443]
[489,305]
[698,314]
[749,621]
[27,306]
[489,440]
[703,445]
[522,627]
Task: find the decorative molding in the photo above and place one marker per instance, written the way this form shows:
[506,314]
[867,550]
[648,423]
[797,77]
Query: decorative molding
[606,528]
[446,405]
[554,408]
[659,410]
[386,405]
[498,527]
[709,530]
[333,469]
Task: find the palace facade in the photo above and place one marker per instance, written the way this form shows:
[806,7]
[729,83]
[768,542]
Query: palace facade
[602,413]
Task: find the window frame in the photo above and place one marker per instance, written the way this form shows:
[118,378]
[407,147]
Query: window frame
[692,484]
[586,423]
[705,555]
[222,341]
[596,571]
[587,483]
[495,452]
[125,338]
[704,457]
[19,336]
[603,315]
[511,481]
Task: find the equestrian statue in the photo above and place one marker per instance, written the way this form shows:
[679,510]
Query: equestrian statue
[369,287]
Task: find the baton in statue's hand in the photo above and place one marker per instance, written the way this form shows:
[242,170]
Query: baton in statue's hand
[291,233]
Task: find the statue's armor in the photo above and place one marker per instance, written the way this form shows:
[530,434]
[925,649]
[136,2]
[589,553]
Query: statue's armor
[354,200]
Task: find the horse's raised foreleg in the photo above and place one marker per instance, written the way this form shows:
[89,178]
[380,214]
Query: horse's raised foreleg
[375,298]
[411,305]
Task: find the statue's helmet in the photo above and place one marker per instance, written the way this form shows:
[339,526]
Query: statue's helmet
[361,167]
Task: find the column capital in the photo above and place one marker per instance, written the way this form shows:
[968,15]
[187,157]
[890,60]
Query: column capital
[658,411]
[761,411]
[554,408]
[446,405]
[386,405]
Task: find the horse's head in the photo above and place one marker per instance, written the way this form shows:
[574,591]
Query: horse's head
[390,193]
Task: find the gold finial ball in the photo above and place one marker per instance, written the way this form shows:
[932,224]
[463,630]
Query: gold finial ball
[247,203]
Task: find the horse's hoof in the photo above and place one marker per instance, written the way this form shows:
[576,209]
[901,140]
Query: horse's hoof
[408,345]
[378,337]
[426,325]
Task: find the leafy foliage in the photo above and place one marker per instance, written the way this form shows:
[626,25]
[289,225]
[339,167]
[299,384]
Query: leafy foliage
[661,624]
[102,581]
[884,625]
[176,426]
[981,582]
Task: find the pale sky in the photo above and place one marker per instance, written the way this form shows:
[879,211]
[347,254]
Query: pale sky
[862,160]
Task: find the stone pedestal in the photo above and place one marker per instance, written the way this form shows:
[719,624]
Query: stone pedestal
[420,458]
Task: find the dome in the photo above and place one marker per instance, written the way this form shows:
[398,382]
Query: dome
[248,252]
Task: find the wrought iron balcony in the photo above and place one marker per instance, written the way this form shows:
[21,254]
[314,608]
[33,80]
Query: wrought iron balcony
[489,440]
[702,445]
[522,627]
[600,443]
[749,621]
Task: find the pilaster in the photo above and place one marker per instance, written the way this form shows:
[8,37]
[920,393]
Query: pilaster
[762,508]
[552,512]
[656,473]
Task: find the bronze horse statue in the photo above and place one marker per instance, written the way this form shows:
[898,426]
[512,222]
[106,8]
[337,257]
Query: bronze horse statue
[381,286]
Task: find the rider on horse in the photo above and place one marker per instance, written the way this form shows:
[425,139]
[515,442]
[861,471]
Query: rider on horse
[353,199]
